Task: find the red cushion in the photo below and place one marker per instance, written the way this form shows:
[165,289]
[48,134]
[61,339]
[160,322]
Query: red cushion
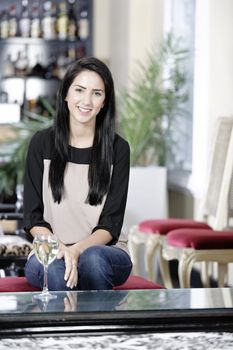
[20,284]
[163,226]
[137,282]
[200,239]
[16,284]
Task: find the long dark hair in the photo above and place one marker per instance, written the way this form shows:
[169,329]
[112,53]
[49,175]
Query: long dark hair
[102,151]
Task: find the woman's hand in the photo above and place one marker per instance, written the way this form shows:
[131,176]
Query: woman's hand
[70,302]
[70,255]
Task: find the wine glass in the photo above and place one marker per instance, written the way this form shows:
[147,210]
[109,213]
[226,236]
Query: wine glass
[46,249]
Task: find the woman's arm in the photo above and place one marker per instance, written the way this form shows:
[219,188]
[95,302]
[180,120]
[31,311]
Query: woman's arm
[112,216]
[34,168]
[40,230]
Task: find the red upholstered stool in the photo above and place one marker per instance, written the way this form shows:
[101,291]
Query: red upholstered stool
[20,284]
[200,239]
[151,233]
[163,226]
[191,245]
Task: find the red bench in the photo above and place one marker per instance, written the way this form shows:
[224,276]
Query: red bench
[20,284]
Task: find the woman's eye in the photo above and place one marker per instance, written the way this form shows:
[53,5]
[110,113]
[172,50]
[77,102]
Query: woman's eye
[96,93]
[78,90]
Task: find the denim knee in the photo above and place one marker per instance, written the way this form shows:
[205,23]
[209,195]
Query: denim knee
[56,272]
[95,270]
[34,273]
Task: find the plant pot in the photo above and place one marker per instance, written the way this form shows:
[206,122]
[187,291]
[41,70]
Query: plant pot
[147,195]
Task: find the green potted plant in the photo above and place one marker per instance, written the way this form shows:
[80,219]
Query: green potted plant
[152,106]
[149,111]
[15,148]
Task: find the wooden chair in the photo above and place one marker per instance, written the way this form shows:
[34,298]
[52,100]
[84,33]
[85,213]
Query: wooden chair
[152,232]
[189,246]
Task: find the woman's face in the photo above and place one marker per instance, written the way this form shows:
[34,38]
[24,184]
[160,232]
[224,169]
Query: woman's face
[85,97]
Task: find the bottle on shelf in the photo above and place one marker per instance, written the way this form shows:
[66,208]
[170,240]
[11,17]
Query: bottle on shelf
[35,30]
[21,64]
[51,71]
[62,22]
[24,21]
[48,23]
[37,70]
[8,67]
[4,25]
[71,55]
[80,51]
[62,63]
[72,21]
[13,21]
[83,25]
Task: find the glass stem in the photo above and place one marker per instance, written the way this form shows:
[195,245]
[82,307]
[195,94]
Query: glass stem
[45,286]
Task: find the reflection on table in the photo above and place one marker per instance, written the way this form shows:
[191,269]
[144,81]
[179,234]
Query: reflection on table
[106,301]
[118,311]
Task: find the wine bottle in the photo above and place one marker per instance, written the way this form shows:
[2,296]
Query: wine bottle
[38,70]
[13,22]
[84,24]
[21,64]
[72,21]
[62,62]
[24,21]
[51,70]
[49,20]
[4,25]
[8,67]
[62,22]
[35,21]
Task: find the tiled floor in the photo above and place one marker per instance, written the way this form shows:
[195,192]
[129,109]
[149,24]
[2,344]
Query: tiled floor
[158,341]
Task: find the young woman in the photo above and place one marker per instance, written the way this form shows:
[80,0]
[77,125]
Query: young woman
[76,183]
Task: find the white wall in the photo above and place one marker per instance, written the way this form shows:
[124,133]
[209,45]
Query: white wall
[101,29]
[221,58]
[123,31]
[213,83]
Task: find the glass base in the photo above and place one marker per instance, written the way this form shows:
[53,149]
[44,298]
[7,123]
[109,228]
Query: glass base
[45,296]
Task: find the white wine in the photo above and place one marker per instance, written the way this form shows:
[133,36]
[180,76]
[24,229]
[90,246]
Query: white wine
[45,250]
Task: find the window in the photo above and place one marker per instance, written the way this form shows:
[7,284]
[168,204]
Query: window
[180,20]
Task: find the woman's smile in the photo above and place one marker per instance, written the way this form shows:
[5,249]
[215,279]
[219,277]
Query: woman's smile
[84,109]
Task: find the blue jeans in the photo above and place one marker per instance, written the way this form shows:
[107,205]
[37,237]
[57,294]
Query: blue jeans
[99,267]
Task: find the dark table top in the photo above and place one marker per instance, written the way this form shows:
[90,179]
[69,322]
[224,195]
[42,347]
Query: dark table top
[118,311]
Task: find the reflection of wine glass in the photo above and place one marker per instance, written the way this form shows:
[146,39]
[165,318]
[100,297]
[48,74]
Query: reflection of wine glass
[46,249]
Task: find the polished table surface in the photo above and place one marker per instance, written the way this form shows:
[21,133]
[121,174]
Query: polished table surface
[118,311]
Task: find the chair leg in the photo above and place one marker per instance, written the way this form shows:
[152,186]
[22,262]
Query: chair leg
[165,271]
[184,270]
[205,279]
[135,260]
[152,245]
[222,274]
[134,249]
[151,242]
